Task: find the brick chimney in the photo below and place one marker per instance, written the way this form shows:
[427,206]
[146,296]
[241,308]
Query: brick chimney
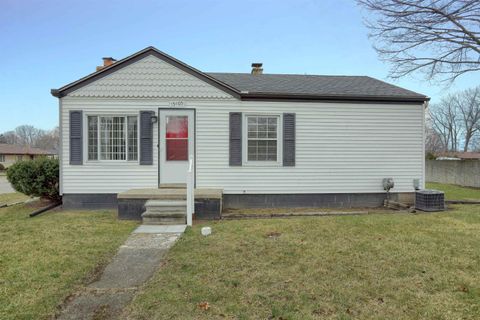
[257,68]
[107,61]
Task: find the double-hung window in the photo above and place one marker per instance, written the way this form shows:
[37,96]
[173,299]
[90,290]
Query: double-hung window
[112,138]
[262,138]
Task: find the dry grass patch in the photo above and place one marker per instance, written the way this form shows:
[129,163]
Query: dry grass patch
[13,197]
[399,266]
[44,259]
[259,212]
[454,192]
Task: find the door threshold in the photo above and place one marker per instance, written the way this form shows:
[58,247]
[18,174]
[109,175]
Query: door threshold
[173,186]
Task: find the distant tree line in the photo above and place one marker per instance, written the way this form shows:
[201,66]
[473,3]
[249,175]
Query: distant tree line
[27,135]
[453,124]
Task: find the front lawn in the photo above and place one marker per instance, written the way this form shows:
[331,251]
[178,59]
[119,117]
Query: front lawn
[44,259]
[13,197]
[454,192]
[390,266]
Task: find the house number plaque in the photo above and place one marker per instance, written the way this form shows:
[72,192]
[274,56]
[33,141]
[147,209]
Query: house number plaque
[177,104]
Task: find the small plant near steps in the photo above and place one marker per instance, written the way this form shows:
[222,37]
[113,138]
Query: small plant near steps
[165,212]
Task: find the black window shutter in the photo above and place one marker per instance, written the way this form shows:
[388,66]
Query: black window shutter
[289,139]
[146,137]
[76,137]
[235,139]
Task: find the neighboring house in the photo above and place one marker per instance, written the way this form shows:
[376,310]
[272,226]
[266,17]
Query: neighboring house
[458,156]
[11,153]
[263,139]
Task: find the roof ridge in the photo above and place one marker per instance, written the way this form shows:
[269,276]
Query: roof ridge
[8,148]
[294,74]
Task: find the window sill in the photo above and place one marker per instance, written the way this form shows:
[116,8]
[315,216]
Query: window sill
[262,164]
[111,162]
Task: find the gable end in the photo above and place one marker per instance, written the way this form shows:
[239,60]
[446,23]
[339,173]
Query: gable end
[226,90]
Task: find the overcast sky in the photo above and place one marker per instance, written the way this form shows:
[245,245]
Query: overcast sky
[47,44]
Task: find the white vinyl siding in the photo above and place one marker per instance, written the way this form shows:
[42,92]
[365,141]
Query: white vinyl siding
[340,148]
[104,176]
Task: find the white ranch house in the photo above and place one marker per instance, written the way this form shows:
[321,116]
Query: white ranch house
[256,140]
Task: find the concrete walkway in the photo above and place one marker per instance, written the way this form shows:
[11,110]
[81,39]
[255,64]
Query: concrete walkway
[135,262]
[5,186]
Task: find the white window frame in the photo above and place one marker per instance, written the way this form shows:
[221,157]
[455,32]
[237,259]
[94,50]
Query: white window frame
[260,163]
[2,158]
[85,136]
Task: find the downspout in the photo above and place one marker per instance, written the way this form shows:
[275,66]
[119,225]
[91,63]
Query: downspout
[49,207]
[60,147]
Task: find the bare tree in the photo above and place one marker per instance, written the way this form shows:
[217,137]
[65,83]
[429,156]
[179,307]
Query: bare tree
[445,121]
[438,37]
[8,137]
[27,135]
[456,118]
[434,143]
[475,146]
[468,104]
[49,140]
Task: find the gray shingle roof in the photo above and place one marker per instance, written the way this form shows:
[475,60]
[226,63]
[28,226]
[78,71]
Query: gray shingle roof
[246,86]
[17,149]
[314,85]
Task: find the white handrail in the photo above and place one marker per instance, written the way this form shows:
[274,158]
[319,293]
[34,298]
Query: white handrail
[190,192]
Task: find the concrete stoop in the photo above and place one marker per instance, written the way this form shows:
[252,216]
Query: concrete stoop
[165,212]
[132,203]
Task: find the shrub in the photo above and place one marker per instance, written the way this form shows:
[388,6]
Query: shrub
[2,167]
[37,178]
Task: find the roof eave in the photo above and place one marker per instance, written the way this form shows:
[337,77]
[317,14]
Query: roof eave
[307,97]
[56,93]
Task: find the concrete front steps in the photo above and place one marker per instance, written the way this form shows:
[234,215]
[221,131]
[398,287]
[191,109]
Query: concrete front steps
[132,204]
[165,212]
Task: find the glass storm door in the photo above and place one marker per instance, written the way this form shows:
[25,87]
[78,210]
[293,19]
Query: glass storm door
[176,144]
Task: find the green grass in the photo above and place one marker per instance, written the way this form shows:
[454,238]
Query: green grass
[8,198]
[395,266]
[46,258]
[454,192]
